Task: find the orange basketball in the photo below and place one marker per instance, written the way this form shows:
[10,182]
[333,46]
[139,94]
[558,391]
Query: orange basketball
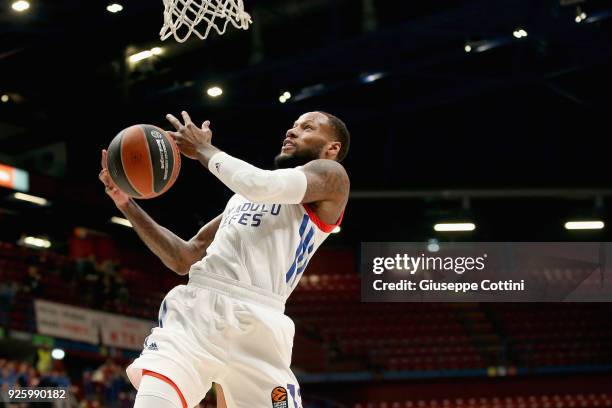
[143,161]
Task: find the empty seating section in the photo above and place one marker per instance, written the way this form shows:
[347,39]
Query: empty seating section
[556,334]
[382,336]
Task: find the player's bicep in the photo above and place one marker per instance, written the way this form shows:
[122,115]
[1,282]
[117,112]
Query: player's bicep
[326,181]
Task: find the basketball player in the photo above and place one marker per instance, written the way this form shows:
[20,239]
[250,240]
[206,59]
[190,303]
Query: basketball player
[227,325]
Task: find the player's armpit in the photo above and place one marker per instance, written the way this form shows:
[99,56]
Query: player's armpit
[327,181]
[196,246]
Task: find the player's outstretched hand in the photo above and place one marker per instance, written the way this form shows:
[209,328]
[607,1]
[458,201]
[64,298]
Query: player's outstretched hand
[118,196]
[190,138]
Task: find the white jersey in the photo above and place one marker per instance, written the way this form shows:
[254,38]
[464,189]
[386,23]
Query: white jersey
[227,325]
[266,246]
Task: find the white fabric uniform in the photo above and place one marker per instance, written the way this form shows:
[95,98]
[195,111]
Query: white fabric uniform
[228,324]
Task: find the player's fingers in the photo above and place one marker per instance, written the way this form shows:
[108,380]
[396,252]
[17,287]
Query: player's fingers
[186,118]
[105,177]
[103,159]
[174,121]
[206,125]
[106,180]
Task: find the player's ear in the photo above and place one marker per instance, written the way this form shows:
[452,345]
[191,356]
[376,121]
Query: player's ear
[333,149]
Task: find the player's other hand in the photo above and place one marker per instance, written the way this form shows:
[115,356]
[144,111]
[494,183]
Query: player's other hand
[190,138]
[118,196]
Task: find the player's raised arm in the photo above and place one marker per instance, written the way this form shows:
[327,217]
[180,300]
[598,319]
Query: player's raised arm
[176,253]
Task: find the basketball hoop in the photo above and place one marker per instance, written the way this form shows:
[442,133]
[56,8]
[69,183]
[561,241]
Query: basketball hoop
[181,17]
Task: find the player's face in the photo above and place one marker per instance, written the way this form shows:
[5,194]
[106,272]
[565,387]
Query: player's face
[305,141]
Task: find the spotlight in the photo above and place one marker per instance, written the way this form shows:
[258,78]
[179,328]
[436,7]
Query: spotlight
[20,6]
[468,48]
[139,56]
[114,8]
[284,97]
[31,199]
[455,226]
[121,221]
[36,242]
[5,98]
[580,17]
[214,91]
[58,354]
[584,225]
[372,77]
[519,33]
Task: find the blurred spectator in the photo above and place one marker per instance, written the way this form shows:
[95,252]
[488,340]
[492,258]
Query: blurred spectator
[44,362]
[8,375]
[23,375]
[7,296]
[31,283]
[123,295]
[87,268]
[55,379]
[88,384]
[4,394]
[111,380]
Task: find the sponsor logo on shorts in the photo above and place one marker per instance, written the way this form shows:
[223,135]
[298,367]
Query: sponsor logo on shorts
[279,397]
[218,166]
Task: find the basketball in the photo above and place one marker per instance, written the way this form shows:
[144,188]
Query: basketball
[143,161]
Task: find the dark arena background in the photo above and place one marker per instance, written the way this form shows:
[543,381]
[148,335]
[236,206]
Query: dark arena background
[495,113]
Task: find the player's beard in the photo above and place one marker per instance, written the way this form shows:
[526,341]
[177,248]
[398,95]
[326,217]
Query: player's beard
[297,158]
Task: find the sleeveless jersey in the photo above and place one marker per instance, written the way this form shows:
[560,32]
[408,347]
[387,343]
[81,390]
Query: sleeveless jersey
[264,245]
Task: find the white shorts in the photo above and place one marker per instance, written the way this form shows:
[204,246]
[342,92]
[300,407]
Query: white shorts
[218,330]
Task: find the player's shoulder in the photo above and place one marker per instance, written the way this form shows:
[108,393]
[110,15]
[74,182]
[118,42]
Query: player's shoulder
[326,167]
[328,181]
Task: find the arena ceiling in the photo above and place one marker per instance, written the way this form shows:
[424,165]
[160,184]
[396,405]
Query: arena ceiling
[424,113]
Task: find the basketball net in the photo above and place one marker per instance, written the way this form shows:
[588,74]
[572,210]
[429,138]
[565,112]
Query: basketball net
[182,17]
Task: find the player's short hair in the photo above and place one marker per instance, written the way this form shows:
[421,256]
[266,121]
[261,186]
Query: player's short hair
[341,133]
